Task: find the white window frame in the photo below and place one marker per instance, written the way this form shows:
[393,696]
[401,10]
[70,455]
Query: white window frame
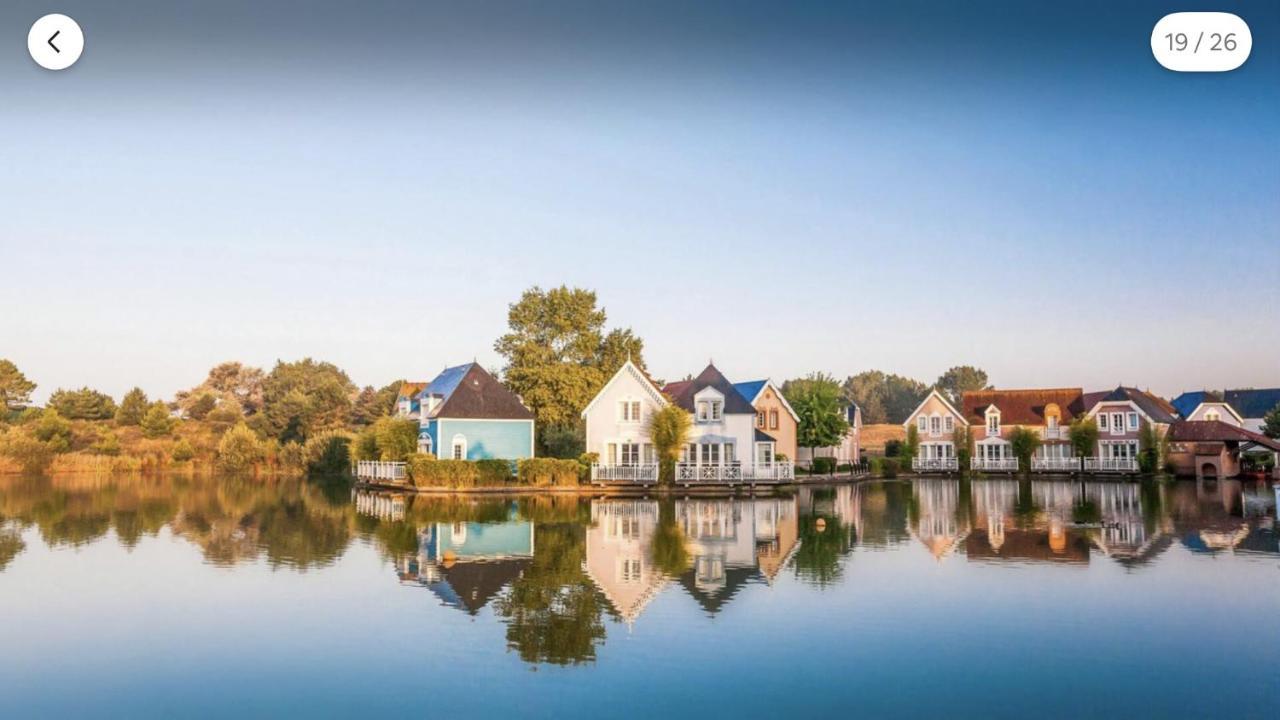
[935,424]
[703,410]
[993,429]
[922,423]
[773,419]
[1212,416]
[948,424]
[424,444]
[459,443]
[1117,423]
[717,410]
[1132,420]
[1102,421]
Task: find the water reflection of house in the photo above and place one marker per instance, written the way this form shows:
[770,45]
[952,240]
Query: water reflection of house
[720,540]
[466,564]
[1225,516]
[997,536]
[777,535]
[619,557]
[937,524]
[1124,535]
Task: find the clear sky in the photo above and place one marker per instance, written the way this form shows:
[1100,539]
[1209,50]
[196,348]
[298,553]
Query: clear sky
[784,187]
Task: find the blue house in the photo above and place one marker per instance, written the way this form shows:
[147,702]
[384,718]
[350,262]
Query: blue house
[466,414]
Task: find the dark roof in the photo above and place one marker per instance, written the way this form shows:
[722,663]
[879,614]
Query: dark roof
[1187,402]
[470,586]
[714,601]
[1217,431]
[1156,408]
[682,392]
[1027,545]
[1253,403]
[762,436]
[1022,407]
[469,391]
[750,389]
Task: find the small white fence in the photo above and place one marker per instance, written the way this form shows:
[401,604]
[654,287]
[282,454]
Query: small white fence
[920,464]
[1100,464]
[644,474]
[1055,464]
[382,471]
[1001,464]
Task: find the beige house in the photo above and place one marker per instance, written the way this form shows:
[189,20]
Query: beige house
[936,421]
[774,415]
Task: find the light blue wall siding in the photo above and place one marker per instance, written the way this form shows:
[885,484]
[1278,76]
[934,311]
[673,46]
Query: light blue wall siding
[430,430]
[486,439]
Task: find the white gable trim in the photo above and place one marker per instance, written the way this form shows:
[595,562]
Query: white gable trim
[945,403]
[628,367]
[1113,404]
[776,391]
[1216,403]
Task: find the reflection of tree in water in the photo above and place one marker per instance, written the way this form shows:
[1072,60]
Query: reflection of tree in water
[1026,514]
[670,554]
[10,545]
[553,611]
[294,523]
[824,540]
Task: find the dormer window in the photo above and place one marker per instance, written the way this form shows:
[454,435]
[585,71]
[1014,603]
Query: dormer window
[1213,416]
[717,410]
[993,421]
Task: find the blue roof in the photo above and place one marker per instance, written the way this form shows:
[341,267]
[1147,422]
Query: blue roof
[750,389]
[446,382]
[1187,402]
[1253,403]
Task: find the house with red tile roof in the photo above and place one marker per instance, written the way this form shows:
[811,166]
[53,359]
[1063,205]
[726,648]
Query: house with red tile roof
[996,414]
[1213,448]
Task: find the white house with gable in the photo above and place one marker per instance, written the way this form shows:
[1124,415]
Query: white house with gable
[616,420]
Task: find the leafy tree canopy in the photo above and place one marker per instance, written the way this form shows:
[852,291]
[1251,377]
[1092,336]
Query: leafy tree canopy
[884,398]
[233,379]
[557,353]
[301,397]
[818,401]
[15,388]
[960,379]
[1271,423]
[132,407]
[83,404]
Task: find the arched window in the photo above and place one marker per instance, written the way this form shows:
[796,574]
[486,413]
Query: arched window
[459,447]
[424,444]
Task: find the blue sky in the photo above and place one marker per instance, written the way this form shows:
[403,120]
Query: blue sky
[783,188]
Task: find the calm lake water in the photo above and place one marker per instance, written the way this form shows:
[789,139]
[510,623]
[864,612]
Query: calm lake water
[995,598]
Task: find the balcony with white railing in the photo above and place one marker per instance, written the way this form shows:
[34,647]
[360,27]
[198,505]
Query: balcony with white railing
[1054,433]
[1106,464]
[382,471]
[646,473]
[1000,464]
[1055,464]
[920,464]
[688,473]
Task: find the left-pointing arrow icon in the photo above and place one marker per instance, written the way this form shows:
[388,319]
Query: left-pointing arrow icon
[55,41]
[51,37]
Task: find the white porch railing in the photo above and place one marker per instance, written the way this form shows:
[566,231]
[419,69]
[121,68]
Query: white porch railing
[935,464]
[778,471]
[1101,464]
[1055,464]
[1001,464]
[646,473]
[380,470]
[1057,433]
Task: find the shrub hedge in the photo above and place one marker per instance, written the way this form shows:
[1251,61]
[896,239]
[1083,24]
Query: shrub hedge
[823,465]
[543,472]
[426,471]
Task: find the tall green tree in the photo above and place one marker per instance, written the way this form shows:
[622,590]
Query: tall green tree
[1084,436]
[132,407]
[960,379]
[818,403]
[1024,442]
[83,404]
[301,397]
[1271,423]
[15,388]
[157,422]
[371,404]
[233,379]
[668,430]
[396,438]
[884,398]
[558,355]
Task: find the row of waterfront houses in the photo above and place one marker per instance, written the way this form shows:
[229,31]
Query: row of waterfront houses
[747,431]
[742,431]
[1207,433]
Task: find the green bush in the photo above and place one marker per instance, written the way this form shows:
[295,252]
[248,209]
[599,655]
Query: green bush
[328,453]
[83,404]
[542,472]
[132,407]
[823,465]
[396,438]
[239,449]
[495,472]
[108,444]
[182,452]
[32,455]
[426,471]
[365,446]
[889,468]
[292,458]
[892,448]
[157,422]
[53,430]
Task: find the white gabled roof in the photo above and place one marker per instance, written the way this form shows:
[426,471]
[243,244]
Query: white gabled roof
[959,416]
[1219,403]
[631,369]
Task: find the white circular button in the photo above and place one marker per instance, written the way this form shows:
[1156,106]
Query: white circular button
[55,42]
